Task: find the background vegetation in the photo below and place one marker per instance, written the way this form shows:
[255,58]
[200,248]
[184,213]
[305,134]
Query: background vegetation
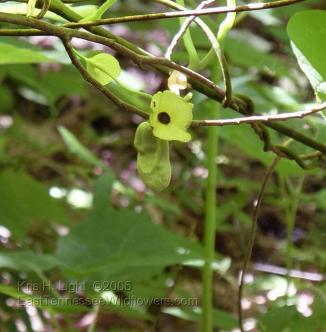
[84,245]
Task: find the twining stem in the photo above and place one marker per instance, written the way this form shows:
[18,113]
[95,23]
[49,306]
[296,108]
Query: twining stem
[45,7]
[214,41]
[187,13]
[55,295]
[253,230]
[261,118]
[183,30]
[96,311]
[197,81]
[188,42]
[141,58]
[30,7]
[225,26]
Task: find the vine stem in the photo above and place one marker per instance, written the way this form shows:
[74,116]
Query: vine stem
[210,228]
[140,57]
[46,281]
[96,311]
[188,42]
[183,29]
[211,197]
[253,230]
[185,13]
[194,64]
[261,118]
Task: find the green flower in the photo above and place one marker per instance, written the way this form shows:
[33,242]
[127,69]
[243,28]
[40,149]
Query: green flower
[171,117]
[153,158]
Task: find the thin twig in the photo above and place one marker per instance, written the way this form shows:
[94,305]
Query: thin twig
[45,6]
[96,311]
[310,276]
[261,118]
[177,37]
[138,55]
[206,87]
[141,57]
[23,32]
[215,46]
[186,13]
[245,106]
[252,238]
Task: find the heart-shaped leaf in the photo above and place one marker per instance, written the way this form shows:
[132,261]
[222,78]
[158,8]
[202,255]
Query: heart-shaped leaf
[307,31]
[104,67]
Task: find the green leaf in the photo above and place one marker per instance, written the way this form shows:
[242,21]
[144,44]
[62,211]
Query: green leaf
[115,242]
[10,54]
[100,11]
[221,319]
[64,305]
[7,99]
[51,85]
[307,31]
[63,83]
[23,201]
[287,319]
[77,148]
[134,312]
[26,261]
[104,67]
[246,140]
[319,307]
[248,50]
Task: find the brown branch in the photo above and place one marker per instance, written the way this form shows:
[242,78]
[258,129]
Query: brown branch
[140,57]
[185,13]
[215,47]
[141,60]
[253,230]
[183,29]
[305,275]
[23,32]
[261,118]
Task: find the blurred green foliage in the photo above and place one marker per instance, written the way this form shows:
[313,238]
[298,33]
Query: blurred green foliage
[59,139]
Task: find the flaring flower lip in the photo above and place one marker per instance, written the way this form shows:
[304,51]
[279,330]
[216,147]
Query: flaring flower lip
[171,116]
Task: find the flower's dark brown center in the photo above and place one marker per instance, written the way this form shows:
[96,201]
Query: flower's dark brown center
[164,117]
